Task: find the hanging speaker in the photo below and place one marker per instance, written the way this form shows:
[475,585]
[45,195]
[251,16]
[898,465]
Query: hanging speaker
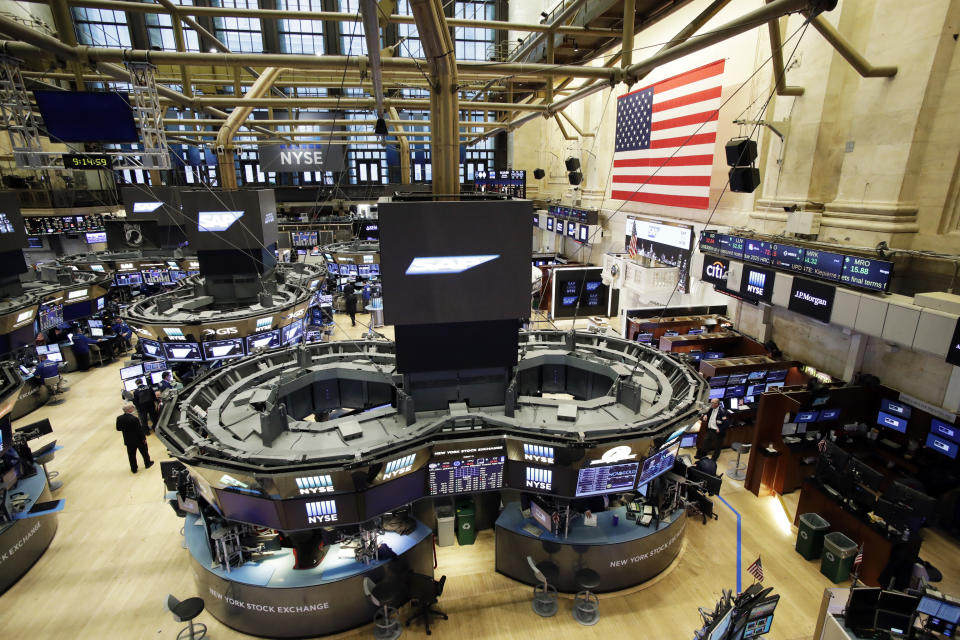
[744,179]
[575,177]
[572,163]
[539,173]
[741,152]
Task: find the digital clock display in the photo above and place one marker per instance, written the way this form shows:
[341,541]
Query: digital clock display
[87,161]
[866,273]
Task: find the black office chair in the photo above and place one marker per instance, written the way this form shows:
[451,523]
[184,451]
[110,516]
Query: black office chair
[186,611]
[425,592]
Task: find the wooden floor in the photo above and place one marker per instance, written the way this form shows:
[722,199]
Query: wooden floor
[117,555]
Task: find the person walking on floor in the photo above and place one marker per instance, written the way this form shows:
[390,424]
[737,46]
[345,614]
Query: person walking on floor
[350,293]
[145,399]
[134,438]
[713,426]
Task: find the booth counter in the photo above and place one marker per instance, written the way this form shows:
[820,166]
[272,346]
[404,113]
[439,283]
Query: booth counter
[270,598]
[26,537]
[624,554]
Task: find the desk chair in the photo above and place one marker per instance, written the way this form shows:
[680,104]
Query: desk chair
[384,596]
[43,460]
[55,386]
[586,605]
[544,593]
[737,469]
[97,352]
[426,592]
[186,611]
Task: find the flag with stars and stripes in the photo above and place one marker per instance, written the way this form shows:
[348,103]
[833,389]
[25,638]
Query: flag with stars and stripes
[756,570]
[665,140]
[859,558]
[632,247]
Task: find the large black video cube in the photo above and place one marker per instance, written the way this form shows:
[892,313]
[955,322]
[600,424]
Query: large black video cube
[456,286]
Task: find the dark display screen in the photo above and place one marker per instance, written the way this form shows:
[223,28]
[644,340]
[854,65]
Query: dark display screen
[757,251]
[783,256]
[730,246]
[465,476]
[866,273]
[87,116]
[709,242]
[823,264]
[812,299]
[757,283]
[598,480]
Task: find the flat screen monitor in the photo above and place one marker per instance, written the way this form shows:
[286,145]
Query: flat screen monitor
[265,340]
[943,430]
[863,597]
[659,463]
[823,264]
[719,629]
[584,233]
[695,332]
[96,332]
[895,408]
[156,377]
[942,446]
[807,416]
[363,270]
[93,322]
[154,365]
[333,267]
[560,227]
[712,355]
[130,279]
[550,224]
[717,393]
[829,414]
[670,334]
[892,621]
[757,376]
[541,516]
[641,337]
[898,602]
[96,236]
[52,351]
[348,269]
[777,376]
[736,391]
[737,378]
[892,422]
[788,429]
[130,385]
[182,351]
[374,269]
[34,242]
[695,356]
[87,116]
[948,612]
[688,440]
[465,476]
[597,480]
[718,381]
[131,372]
[756,389]
[221,349]
[151,348]
[292,332]
[774,385]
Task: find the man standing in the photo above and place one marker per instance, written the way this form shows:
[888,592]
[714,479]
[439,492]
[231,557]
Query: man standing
[81,349]
[713,426]
[134,437]
[350,294]
[145,398]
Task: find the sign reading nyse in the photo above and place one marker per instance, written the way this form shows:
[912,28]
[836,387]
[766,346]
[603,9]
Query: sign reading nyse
[303,157]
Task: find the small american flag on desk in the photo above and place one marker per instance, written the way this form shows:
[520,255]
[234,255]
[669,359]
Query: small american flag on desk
[756,570]
[665,140]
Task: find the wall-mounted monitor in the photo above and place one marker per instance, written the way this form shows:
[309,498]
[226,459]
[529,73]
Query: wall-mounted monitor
[221,349]
[659,463]
[182,351]
[601,479]
[264,340]
[87,116]
[465,476]
[292,332]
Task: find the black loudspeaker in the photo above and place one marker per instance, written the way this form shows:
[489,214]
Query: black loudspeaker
[744,179]
[575,177]
[539,173]
[741,152]
[572,163]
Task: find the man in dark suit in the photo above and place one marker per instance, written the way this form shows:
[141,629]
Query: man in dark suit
[350,295]
[713,426]
[134,437]
[145,399]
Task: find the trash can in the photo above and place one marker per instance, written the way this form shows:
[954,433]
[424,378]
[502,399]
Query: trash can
[839,552]
[446,526]
[810,535]
[466,521]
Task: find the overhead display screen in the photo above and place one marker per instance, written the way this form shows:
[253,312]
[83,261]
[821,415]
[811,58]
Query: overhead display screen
[463,262]
[87,116]
[812,299]
[866,273]
[783,256]
[220,349]
[659,463]
[465,476]
[709,242]
[293,331]
[182,351]
[151,348]
[265,340]
[597,480]
[756,283]
[730,246]
[757,251]
[823,264]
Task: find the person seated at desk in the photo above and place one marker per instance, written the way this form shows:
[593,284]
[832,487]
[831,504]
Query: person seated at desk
[714,420]
[124,332]
[166,381]
[81,349]
[46,368]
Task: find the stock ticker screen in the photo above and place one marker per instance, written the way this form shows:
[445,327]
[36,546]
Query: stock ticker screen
[465,476]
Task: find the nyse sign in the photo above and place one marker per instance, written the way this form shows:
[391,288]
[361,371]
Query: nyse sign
[305,157]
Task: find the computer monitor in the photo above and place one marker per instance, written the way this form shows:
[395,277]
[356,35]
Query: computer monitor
[156,377]
[688,440]
[670,334]
[150,348]
[717,393]
[52,351]
[777,376]
[695,356]
[895,408]
[942,446]
[737,378]
[756,389]
[899,602]
[807,416]
[736,391]
[710,482]
[127,373]
[95,323]
[865,474]
[130,385]
[718,630]
[96,332]
[863,598]
[891,421]
[712,355]
[788,429]
[541,516]
[659,463]
[892,621]
[757,376]
[829,414]
[774,385]
[718,381]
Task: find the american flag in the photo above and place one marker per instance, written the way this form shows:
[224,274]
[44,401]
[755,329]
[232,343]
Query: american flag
[756,570]
[822,445]
[632,247]
[665,139]
[859,558]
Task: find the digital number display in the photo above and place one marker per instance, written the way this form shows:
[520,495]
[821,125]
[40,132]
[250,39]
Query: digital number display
[730,246]
[866,273]
[823,264]
[87,161]
[465,476]
[709,242]
[757,251]
[784,256]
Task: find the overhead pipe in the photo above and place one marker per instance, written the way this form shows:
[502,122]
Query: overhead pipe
[576,127]
[776,54]
[225,148]
[404,144]
[629,17]
[362,103]
[371,29]
[845,49]
[568,12]
[563,130]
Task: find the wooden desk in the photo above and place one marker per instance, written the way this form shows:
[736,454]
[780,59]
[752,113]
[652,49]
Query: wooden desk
[703,341]
[877,548]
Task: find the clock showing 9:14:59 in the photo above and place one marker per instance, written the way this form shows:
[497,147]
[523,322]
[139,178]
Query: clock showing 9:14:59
[87,161]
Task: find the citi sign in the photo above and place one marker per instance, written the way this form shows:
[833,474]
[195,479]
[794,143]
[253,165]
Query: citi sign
[399,466]
[756,282]
[321,512]
[538,453]
[716,271]
[539,479]
[314,484]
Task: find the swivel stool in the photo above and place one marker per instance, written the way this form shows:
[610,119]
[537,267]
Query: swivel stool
[737,469]
[43,460]
[186,611]
[384,596]
[544,593]
[586,605]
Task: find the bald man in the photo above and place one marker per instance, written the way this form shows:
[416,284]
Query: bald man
[134,437]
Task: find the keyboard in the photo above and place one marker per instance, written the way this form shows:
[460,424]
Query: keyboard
[533,530]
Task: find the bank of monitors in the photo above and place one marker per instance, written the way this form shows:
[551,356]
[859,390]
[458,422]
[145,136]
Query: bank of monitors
[659,463]
[292,332]
[182,351]
[128,373]
[52,351]
[942,615]
[807,416]
[222,349]
[465,475]
[151,348]
[264,340]
[597,480]
[130,279]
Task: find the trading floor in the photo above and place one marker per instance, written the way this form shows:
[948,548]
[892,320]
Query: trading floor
[117,555]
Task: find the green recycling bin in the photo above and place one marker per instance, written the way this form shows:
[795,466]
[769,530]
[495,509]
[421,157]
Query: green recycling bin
[466,523]
[839,552]
[810,535]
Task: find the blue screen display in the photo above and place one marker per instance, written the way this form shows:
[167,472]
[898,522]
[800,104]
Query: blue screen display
[895,408]
[829,414]
[943,430]
[940,445]
[823,264]
[757,251]
[892,422]
[807,416]
[866,273]
[783,256]
[717,393]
